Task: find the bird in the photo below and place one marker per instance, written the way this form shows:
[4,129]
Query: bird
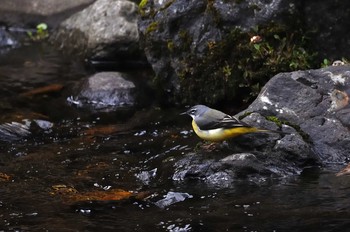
[216,126]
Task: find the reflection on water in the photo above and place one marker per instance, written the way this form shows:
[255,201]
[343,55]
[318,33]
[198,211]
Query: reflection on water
[84,154]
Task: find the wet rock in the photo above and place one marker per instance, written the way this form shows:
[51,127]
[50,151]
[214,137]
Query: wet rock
[222,172]
[18,130]
[13,131]
[7,41]
[105,91]
[297,103]
[146,176]
[172,198]
[105,29]
[303,99]
[192,166]
[43,124]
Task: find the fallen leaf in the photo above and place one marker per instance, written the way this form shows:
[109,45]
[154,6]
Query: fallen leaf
[54,88]
[92,167]
[102,130]
[344,171]
[111,195]
[61,189]
[4,177]
[70,195]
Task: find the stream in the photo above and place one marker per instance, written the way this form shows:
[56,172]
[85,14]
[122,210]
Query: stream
[114,171]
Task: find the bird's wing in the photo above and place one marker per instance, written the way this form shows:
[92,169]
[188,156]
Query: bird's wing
[230,121]
[217,119]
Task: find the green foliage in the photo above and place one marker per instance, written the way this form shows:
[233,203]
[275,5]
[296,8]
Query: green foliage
[237,68]
[325,63]
[40,33]
[227,71]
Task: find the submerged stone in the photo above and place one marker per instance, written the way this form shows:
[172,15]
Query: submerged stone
[105,91]
[172,198]
[7,41]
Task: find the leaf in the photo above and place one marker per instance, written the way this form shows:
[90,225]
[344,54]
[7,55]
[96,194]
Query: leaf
[70,195]
[103,130]
[326,61]
[42,26]
[92,168]
[345,171]
[112,195]
[4,177]
[43,90]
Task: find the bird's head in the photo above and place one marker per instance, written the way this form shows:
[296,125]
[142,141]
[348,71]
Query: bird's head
[196,111]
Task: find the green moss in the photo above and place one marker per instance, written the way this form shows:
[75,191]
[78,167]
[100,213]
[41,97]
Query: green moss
[152,27]
[142,4]
[279,123]
[274,119]
[152,12]
[170,45]
[245,114]
[235,69]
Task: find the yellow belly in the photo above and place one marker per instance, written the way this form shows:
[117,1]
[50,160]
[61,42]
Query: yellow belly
[217,135]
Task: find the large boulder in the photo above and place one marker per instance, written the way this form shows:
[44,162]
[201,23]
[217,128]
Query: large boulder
[106,29]
[311,106]
[315,102]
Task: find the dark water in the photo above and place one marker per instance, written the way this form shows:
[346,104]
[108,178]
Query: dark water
[148,141]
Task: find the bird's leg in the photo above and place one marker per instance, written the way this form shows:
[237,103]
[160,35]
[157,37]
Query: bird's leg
[209,146]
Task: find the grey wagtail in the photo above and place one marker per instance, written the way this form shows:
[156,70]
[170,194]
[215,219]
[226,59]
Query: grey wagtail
[213,125]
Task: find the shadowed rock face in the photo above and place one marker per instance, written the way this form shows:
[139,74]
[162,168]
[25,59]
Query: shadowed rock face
[172,31]
[301,104]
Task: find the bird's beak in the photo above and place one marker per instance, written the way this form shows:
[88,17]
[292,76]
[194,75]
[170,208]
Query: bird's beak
[184,113]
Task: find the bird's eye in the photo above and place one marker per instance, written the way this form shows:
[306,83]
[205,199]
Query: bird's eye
[193,111]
